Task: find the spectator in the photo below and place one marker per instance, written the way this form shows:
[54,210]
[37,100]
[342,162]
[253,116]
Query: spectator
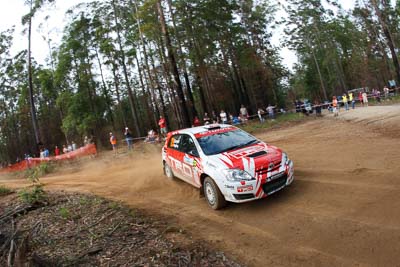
[352,100]
[345,102]
[365,98]
[378,96]
[196,121]
[236,120]
[163,126]
[128,138]
[335,107]
[73,146]
[243,114]
[86,141]
[56,151]
[65,149]
[206,119]
[151,137]
[360,98]
[214,116]
[69,148]
[260,113]
[46,153]
[318,109]
[224,118]
[270,110]
[386,92]
[113,142]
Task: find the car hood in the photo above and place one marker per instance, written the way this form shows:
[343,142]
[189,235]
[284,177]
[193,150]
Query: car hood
[253,158]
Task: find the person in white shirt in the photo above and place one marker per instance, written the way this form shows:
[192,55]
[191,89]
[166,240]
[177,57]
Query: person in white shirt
[224,118]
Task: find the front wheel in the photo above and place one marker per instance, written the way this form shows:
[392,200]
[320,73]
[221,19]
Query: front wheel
[168,171]
[213,195]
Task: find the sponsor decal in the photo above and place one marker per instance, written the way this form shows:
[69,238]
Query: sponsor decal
[246,188]
[229,186]
[187,159]
[215,131]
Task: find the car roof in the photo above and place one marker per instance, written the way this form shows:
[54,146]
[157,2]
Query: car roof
[203,129]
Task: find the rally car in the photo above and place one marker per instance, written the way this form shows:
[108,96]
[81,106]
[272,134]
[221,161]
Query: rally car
[226,163]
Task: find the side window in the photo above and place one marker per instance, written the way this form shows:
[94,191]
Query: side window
[175,141]
[187,146]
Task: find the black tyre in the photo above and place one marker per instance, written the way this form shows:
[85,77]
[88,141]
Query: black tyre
[213,195]
[168,171]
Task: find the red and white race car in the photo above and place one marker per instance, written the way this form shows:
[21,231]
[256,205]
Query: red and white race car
[226,163]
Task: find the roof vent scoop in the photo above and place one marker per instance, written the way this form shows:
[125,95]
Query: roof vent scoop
[257,154]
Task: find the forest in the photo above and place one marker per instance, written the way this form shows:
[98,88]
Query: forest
[125,63]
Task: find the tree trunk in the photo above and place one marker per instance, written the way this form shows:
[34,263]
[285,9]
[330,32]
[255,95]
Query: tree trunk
[126,76]
[30,80]
[174,68]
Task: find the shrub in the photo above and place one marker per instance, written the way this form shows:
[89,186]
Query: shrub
[33,196]
[64,213]
[4,190]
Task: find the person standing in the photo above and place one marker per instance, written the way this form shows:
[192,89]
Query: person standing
[260,114]
[386,92]
[360,98]
[56,151]
[335,106]
[351,99]
[196,121]
[113,142]
[224,117]
[345,102]
[243,114]
[163,126]
[73,146]
[365,98]
[128,138]
[65,149]
[271,113]
[206,119]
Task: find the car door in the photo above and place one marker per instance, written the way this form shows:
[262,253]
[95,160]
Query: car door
[174,156]
[190,160]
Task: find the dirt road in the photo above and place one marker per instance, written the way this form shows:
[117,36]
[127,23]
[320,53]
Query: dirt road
[342,209]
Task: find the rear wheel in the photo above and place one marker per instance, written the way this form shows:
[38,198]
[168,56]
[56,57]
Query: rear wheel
[213,195]
[168,171]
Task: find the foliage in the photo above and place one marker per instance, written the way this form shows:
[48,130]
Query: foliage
[34,195]
[64,213]
[4,190]
[35,173]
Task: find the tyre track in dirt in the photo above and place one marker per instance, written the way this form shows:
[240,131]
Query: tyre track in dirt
[342,209]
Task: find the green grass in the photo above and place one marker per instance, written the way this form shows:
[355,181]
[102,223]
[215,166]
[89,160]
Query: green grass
[4,190]
[255,125]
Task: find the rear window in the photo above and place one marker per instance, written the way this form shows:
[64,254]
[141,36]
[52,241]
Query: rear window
[225,141]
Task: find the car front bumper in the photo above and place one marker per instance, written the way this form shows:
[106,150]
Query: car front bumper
[240,192]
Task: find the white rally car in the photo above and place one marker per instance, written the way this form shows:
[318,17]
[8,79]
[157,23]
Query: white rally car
[226,163]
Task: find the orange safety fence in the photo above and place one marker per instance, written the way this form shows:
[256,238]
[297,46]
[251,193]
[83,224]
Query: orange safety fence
[87,150]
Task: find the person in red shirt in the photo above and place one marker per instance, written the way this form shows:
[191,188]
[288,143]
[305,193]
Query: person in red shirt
[196,121]
[56,151]
[163,126]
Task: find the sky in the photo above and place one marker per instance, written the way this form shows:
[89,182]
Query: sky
[12,11]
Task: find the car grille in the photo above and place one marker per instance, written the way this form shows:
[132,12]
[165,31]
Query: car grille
[243,196]
[263,171]
[274,184]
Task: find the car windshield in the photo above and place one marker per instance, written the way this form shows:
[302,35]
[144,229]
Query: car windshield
[222,142]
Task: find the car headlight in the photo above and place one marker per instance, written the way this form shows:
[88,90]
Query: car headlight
[237,175]
[285,158]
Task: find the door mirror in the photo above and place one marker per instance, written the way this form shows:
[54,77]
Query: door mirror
[194,153]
